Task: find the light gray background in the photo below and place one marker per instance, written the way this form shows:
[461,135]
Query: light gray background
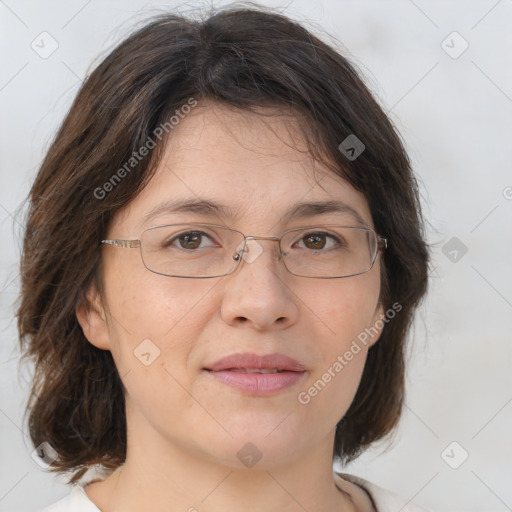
[455,116]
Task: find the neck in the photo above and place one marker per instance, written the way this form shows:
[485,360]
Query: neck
[159,474]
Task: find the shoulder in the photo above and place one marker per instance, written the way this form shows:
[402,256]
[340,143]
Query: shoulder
[383,499]
[76,501]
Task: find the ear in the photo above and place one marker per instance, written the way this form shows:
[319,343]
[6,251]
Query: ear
[92,318]
[377,325]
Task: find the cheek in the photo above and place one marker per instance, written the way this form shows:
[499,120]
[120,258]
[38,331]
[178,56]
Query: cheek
[341,314]
[149,316]
[344,308]
[333,384]
[153,333]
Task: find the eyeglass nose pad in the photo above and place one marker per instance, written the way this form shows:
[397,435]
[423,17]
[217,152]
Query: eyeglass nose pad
[249,252]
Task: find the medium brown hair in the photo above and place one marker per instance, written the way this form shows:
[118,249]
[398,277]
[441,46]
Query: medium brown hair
[242,57]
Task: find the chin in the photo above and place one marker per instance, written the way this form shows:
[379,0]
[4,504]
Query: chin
[256,446]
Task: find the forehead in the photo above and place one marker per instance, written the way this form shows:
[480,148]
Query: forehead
[257,166]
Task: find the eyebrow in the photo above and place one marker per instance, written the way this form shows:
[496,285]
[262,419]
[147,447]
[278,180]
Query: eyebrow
[207,207]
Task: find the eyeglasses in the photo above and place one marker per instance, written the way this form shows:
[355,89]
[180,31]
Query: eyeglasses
[206,250]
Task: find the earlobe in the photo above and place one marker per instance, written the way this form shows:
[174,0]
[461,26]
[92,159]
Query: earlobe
[92,318]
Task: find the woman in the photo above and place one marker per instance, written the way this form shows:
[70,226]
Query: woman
[222,260]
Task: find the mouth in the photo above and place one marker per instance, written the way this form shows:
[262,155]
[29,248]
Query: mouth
[257,382]
[257,375]
[253,370]
[253,363]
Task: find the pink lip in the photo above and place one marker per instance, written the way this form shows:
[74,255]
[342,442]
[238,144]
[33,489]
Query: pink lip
[231,371]
[250,360]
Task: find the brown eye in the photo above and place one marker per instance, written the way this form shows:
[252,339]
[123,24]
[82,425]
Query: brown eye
[315,241]
[190,240]
[319,241]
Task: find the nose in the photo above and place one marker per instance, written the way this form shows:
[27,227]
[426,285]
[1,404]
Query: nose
[259,294]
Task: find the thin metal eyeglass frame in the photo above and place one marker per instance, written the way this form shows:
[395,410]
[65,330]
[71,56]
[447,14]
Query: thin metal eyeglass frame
[381,245]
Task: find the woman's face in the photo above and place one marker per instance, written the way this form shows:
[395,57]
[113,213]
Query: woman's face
[165,332]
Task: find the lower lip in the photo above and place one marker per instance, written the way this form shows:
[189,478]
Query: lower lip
[259,384]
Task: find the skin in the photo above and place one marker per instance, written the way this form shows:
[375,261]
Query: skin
[185,428]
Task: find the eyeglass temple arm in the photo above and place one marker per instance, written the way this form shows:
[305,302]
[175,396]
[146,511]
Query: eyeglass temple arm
[125,244]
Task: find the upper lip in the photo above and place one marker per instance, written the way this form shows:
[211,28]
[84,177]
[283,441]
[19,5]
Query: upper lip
[254,361]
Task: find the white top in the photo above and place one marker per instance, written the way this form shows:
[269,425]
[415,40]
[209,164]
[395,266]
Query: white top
[382,499]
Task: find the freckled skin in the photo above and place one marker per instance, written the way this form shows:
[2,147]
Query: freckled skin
[185,428]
